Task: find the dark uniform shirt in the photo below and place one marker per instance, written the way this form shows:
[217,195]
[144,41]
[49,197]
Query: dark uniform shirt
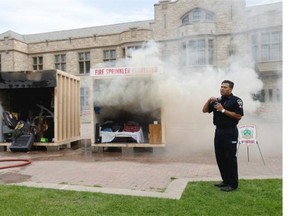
[231,103]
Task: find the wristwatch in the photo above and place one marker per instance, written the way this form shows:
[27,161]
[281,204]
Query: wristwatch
[223,110]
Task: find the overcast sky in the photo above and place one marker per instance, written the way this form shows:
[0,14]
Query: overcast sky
[36,16]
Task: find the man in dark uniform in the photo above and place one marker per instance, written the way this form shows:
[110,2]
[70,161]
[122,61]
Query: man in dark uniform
[227,111]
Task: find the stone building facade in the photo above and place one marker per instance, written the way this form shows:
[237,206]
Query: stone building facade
[201,33]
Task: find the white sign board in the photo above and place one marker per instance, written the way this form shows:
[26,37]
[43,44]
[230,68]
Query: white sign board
[123,71]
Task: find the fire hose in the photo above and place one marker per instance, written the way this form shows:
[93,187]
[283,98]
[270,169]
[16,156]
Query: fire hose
[26,162]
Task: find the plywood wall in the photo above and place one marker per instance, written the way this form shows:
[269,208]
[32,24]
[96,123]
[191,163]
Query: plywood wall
[67,107]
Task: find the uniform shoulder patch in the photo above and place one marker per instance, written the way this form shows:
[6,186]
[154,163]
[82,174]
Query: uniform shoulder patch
[240,103]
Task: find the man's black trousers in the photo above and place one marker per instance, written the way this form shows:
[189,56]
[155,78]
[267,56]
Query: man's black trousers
[225,144]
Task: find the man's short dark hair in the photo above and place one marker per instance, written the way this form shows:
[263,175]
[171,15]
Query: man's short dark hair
[231,84]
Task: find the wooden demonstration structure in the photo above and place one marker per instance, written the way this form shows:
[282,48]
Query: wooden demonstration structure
[52,90]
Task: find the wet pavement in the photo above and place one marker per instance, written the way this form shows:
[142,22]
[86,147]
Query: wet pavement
[137,172]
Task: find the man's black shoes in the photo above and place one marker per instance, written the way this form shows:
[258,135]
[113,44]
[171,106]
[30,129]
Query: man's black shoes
[224,187]
[220,185]
[227,188]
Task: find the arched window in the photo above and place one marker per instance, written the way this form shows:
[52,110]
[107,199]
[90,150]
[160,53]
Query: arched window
[185,19]
[198,15]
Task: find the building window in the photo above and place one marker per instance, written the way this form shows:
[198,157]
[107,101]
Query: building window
[84,98]
[265,46]
[209,16]
[278,95]
[270,94]
[262,95]
[183,51]
[276,45]
[271,46]
[197,15]
[60,62]
[185,19]
[109,58]
[37,63]
[210,51]
[198,52]
[255,47]
[131,49]
[84,62]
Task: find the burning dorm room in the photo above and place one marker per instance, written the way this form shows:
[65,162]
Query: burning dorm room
[123,110]
[28,105]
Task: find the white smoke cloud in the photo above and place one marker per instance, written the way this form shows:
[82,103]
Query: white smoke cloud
[151,92]
[132,94]
[180,96]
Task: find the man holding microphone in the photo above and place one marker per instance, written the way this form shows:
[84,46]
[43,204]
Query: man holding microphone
[227,111]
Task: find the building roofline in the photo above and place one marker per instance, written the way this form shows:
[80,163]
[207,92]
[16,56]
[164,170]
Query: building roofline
[77,32]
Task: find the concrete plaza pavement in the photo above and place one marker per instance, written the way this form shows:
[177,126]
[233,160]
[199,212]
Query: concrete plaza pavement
[129,172]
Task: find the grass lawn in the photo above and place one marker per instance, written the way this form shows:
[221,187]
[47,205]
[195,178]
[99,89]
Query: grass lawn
[253,197]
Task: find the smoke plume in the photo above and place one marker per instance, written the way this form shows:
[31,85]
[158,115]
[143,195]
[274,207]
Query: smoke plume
[181,95]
